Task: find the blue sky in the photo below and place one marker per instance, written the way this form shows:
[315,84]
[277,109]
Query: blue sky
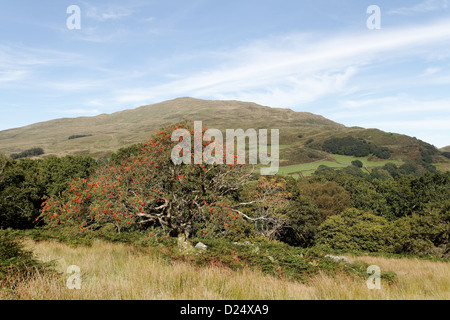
[315,56]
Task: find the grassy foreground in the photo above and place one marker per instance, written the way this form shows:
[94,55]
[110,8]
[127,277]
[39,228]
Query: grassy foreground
[120,271]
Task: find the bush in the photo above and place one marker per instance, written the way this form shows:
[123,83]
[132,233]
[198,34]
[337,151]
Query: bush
[420,235]
[271,257]
[357,163]
[353,230]
[16,263]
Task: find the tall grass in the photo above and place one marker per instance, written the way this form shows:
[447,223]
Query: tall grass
[120,271]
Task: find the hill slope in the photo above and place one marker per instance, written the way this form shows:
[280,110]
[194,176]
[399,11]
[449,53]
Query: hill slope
[301,134]
[112,131]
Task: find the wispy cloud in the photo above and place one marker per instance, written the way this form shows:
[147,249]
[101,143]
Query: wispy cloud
[19,64]
[8,76]
[430,71]
[298,68]
[106,12]
[422,7]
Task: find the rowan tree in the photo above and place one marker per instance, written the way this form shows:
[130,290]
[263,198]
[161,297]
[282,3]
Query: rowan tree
[146,189]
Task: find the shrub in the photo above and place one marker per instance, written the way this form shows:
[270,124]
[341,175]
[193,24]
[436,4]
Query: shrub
[357,163]
[422,235]
[353,230]
[271,257]
[16,263]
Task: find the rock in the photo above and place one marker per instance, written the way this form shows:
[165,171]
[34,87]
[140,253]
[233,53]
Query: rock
[338,258]
[183,244]
[245,243]
[201,246]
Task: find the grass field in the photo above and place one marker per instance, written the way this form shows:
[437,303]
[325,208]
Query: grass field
[338,161]
[365,160]
[120,271]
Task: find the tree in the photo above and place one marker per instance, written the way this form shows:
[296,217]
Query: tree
[24,184]
[148,189]
[19,194]
[268,200]
[354,230]
[357,163]
[329,197]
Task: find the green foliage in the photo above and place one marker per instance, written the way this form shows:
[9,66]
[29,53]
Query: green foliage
[24,185]
[28,153]
[271,257]
[353,230]
[329,197]
[16,263]
[420,235]
[380,174]
[127,152]
[357,163]
[351,146]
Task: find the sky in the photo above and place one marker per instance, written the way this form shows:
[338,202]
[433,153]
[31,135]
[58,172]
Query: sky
[320,56]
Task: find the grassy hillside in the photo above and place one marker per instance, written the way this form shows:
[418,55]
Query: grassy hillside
[301,134]
[108,132]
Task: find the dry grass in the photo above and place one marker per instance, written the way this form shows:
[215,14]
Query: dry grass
[118,271]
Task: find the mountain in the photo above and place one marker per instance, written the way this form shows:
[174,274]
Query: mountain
[301,133]
[445,149]
[108,132]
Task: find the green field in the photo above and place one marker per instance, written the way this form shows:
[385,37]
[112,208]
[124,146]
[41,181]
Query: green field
[339,161]
[366,162]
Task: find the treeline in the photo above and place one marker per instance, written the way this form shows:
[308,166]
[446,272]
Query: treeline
[76,136]
[415,167]
[351,146]
[28,153]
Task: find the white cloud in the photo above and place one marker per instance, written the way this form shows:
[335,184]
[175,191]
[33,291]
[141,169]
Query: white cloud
[110,12]
[297,69]
[8,76]
[430,71]
[422,7]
